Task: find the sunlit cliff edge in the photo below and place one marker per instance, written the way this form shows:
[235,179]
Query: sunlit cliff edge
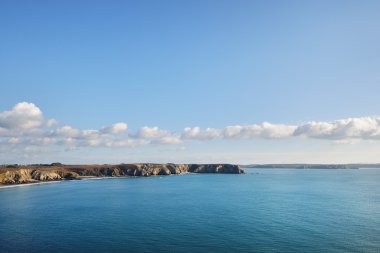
[10,175]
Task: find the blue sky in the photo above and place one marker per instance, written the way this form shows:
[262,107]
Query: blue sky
[179,64]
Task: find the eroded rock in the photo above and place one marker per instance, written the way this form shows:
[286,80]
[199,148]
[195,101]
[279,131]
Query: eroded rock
[26,175]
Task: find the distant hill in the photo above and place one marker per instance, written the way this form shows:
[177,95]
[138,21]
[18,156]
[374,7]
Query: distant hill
[314,166]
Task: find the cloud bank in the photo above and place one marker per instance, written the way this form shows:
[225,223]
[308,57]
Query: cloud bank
[367,128]
[25,124]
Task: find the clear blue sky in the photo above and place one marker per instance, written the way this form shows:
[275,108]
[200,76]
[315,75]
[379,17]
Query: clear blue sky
[177,64]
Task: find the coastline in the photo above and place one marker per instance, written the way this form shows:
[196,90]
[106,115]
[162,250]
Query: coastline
[85,178]
[81,178]
[31,174]
[4,186]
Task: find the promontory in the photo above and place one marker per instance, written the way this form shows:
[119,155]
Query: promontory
[22,174]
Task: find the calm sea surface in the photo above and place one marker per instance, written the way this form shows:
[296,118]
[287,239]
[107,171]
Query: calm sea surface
[265,210]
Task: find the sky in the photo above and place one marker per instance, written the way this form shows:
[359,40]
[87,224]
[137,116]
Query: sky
[190,81]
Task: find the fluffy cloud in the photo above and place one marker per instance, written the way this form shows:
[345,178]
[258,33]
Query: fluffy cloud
[150,133]
[167,140]
[22,116]
[67,131]
[345,130]
[196,133]
[115,129]
[351,128]
[24,125]
[157,136]
[264,130]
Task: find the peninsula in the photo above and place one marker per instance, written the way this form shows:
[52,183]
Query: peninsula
[23,174]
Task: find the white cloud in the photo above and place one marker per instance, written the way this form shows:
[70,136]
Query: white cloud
[110,136]
[125,143]
[157,136]
[51,122]
[197,134]
[115,128]
[264,130]
[22,116]
[352,128]
[24,125]
[67,131]
[150,133]
[90,134]
[365,128]
[167,140]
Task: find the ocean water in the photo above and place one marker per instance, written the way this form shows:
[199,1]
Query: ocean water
[265,210]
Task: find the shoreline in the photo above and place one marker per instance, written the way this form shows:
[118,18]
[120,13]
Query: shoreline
[32,174]
[4,186]
[82,178]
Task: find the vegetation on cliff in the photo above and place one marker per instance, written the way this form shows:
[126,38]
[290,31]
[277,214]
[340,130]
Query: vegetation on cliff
[53,172]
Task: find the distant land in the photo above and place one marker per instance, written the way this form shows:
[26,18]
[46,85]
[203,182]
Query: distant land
[313,166]
[13,174]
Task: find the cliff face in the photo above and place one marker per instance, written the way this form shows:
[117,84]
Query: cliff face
[23,176]
[31,175]
[215,168]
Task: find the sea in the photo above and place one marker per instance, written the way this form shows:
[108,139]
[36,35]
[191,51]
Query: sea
[264,210]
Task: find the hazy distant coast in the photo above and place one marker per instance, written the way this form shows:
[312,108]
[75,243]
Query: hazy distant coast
[26,174]
[313,166]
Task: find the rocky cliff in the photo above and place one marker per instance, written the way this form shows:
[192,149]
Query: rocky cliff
[32,174]
[23,176]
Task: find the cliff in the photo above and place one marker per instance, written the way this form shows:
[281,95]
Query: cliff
[32,174]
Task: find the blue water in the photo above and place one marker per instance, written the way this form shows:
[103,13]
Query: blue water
[265,210]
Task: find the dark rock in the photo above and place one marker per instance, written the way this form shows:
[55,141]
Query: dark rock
[71,175]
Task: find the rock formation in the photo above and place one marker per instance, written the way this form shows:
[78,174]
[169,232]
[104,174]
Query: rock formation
[31,174]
